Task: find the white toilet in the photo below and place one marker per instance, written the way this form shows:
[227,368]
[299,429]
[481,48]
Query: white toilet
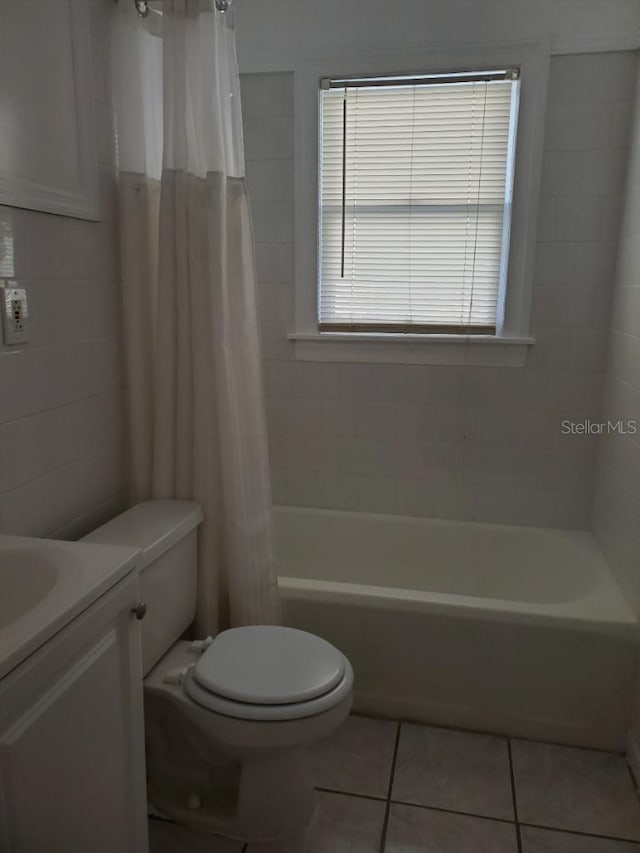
[227,719]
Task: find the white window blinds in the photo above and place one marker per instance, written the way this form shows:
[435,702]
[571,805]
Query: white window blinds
[415,190]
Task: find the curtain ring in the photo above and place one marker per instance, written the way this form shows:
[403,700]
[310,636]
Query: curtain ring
[142,7]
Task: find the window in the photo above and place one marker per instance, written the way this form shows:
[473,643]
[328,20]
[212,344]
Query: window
[415,198]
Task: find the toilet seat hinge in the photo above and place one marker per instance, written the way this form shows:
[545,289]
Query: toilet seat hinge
[200,645]
[178,675]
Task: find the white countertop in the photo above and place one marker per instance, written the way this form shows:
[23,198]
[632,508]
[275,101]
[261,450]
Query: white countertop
[47,583]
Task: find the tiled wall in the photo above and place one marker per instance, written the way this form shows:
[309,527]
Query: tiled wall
[60,400]
[617,509]
[461,442]
[617,504]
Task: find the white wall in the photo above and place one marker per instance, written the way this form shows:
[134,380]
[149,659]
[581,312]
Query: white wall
[462,442]
[273,35]
[60,401]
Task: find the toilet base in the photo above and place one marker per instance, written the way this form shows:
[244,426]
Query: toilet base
[244,779]
[273,800]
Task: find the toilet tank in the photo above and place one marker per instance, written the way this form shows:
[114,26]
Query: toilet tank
[166,532]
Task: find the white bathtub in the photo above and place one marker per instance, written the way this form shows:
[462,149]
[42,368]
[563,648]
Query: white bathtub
[517,630]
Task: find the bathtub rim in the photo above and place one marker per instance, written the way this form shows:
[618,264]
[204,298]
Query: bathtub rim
[552,615]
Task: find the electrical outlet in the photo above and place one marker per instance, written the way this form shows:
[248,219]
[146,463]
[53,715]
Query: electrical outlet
[15,314]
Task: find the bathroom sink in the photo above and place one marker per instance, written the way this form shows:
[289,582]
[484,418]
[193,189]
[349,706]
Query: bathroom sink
[26,577]
[45,583]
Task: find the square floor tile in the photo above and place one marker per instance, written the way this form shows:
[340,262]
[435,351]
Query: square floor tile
[549,841]
[455,770]
[341,824]
[578,789]
[416,830]
[166,837]
[357,758]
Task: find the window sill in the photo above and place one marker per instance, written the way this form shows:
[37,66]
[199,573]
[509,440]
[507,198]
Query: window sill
[479,350]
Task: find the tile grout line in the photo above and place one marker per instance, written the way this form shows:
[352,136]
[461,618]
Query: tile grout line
[385,822]
[352,794]
[478,816]
[453,812]
[634,781]
[416,805]
[514,797]
[557,829]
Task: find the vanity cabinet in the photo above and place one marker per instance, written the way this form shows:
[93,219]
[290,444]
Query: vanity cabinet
[72,776]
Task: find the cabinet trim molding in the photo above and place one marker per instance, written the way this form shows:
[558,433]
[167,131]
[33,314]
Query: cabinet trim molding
[80,201]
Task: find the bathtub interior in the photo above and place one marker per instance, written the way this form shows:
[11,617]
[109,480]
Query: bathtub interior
[517,631]
[491,561]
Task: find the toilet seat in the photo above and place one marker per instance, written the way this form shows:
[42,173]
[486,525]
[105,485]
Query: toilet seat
[265,672]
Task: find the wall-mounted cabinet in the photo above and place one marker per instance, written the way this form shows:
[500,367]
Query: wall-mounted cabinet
[48,157]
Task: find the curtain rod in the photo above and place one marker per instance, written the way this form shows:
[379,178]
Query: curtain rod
[142,6]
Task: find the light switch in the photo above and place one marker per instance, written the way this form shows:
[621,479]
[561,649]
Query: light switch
[15,314]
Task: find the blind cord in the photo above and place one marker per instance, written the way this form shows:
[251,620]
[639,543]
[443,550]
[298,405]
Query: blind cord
[344,179]
[413,139]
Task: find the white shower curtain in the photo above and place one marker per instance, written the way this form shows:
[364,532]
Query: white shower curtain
[196,414]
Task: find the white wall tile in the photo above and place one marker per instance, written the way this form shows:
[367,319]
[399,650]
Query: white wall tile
[578,126]
[575,264]
[605,172]
[571,307]
[563,389]
[267,180]
[67,310]
[269,138]
[616,516]
[563,173]
[20,390]
[278,378]
[531,506]
[95,517]
[40,443]
[574,349]
[620,134]
[572,81]
[317,380]
[614,76]
[497,387]
[272,221]
[61,421]
[627,303]
[275,303]
[274,340]
[472,441]
[263,95]
[46,504]
[547,220]
[624,360]
[578,219]
[274,262]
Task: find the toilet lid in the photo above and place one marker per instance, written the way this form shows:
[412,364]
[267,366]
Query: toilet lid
[269,665]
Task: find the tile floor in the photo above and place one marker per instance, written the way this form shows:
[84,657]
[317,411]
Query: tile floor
[386,787]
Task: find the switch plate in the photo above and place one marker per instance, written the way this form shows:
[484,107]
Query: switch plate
[15,314]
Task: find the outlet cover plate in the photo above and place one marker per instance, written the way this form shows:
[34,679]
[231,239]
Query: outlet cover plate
[15,314]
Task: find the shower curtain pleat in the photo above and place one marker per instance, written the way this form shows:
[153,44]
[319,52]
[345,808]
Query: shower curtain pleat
[197,425]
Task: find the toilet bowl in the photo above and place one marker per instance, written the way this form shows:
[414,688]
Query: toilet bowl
[227,719]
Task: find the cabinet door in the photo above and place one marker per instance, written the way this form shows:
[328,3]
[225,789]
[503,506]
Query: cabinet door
[72,774]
